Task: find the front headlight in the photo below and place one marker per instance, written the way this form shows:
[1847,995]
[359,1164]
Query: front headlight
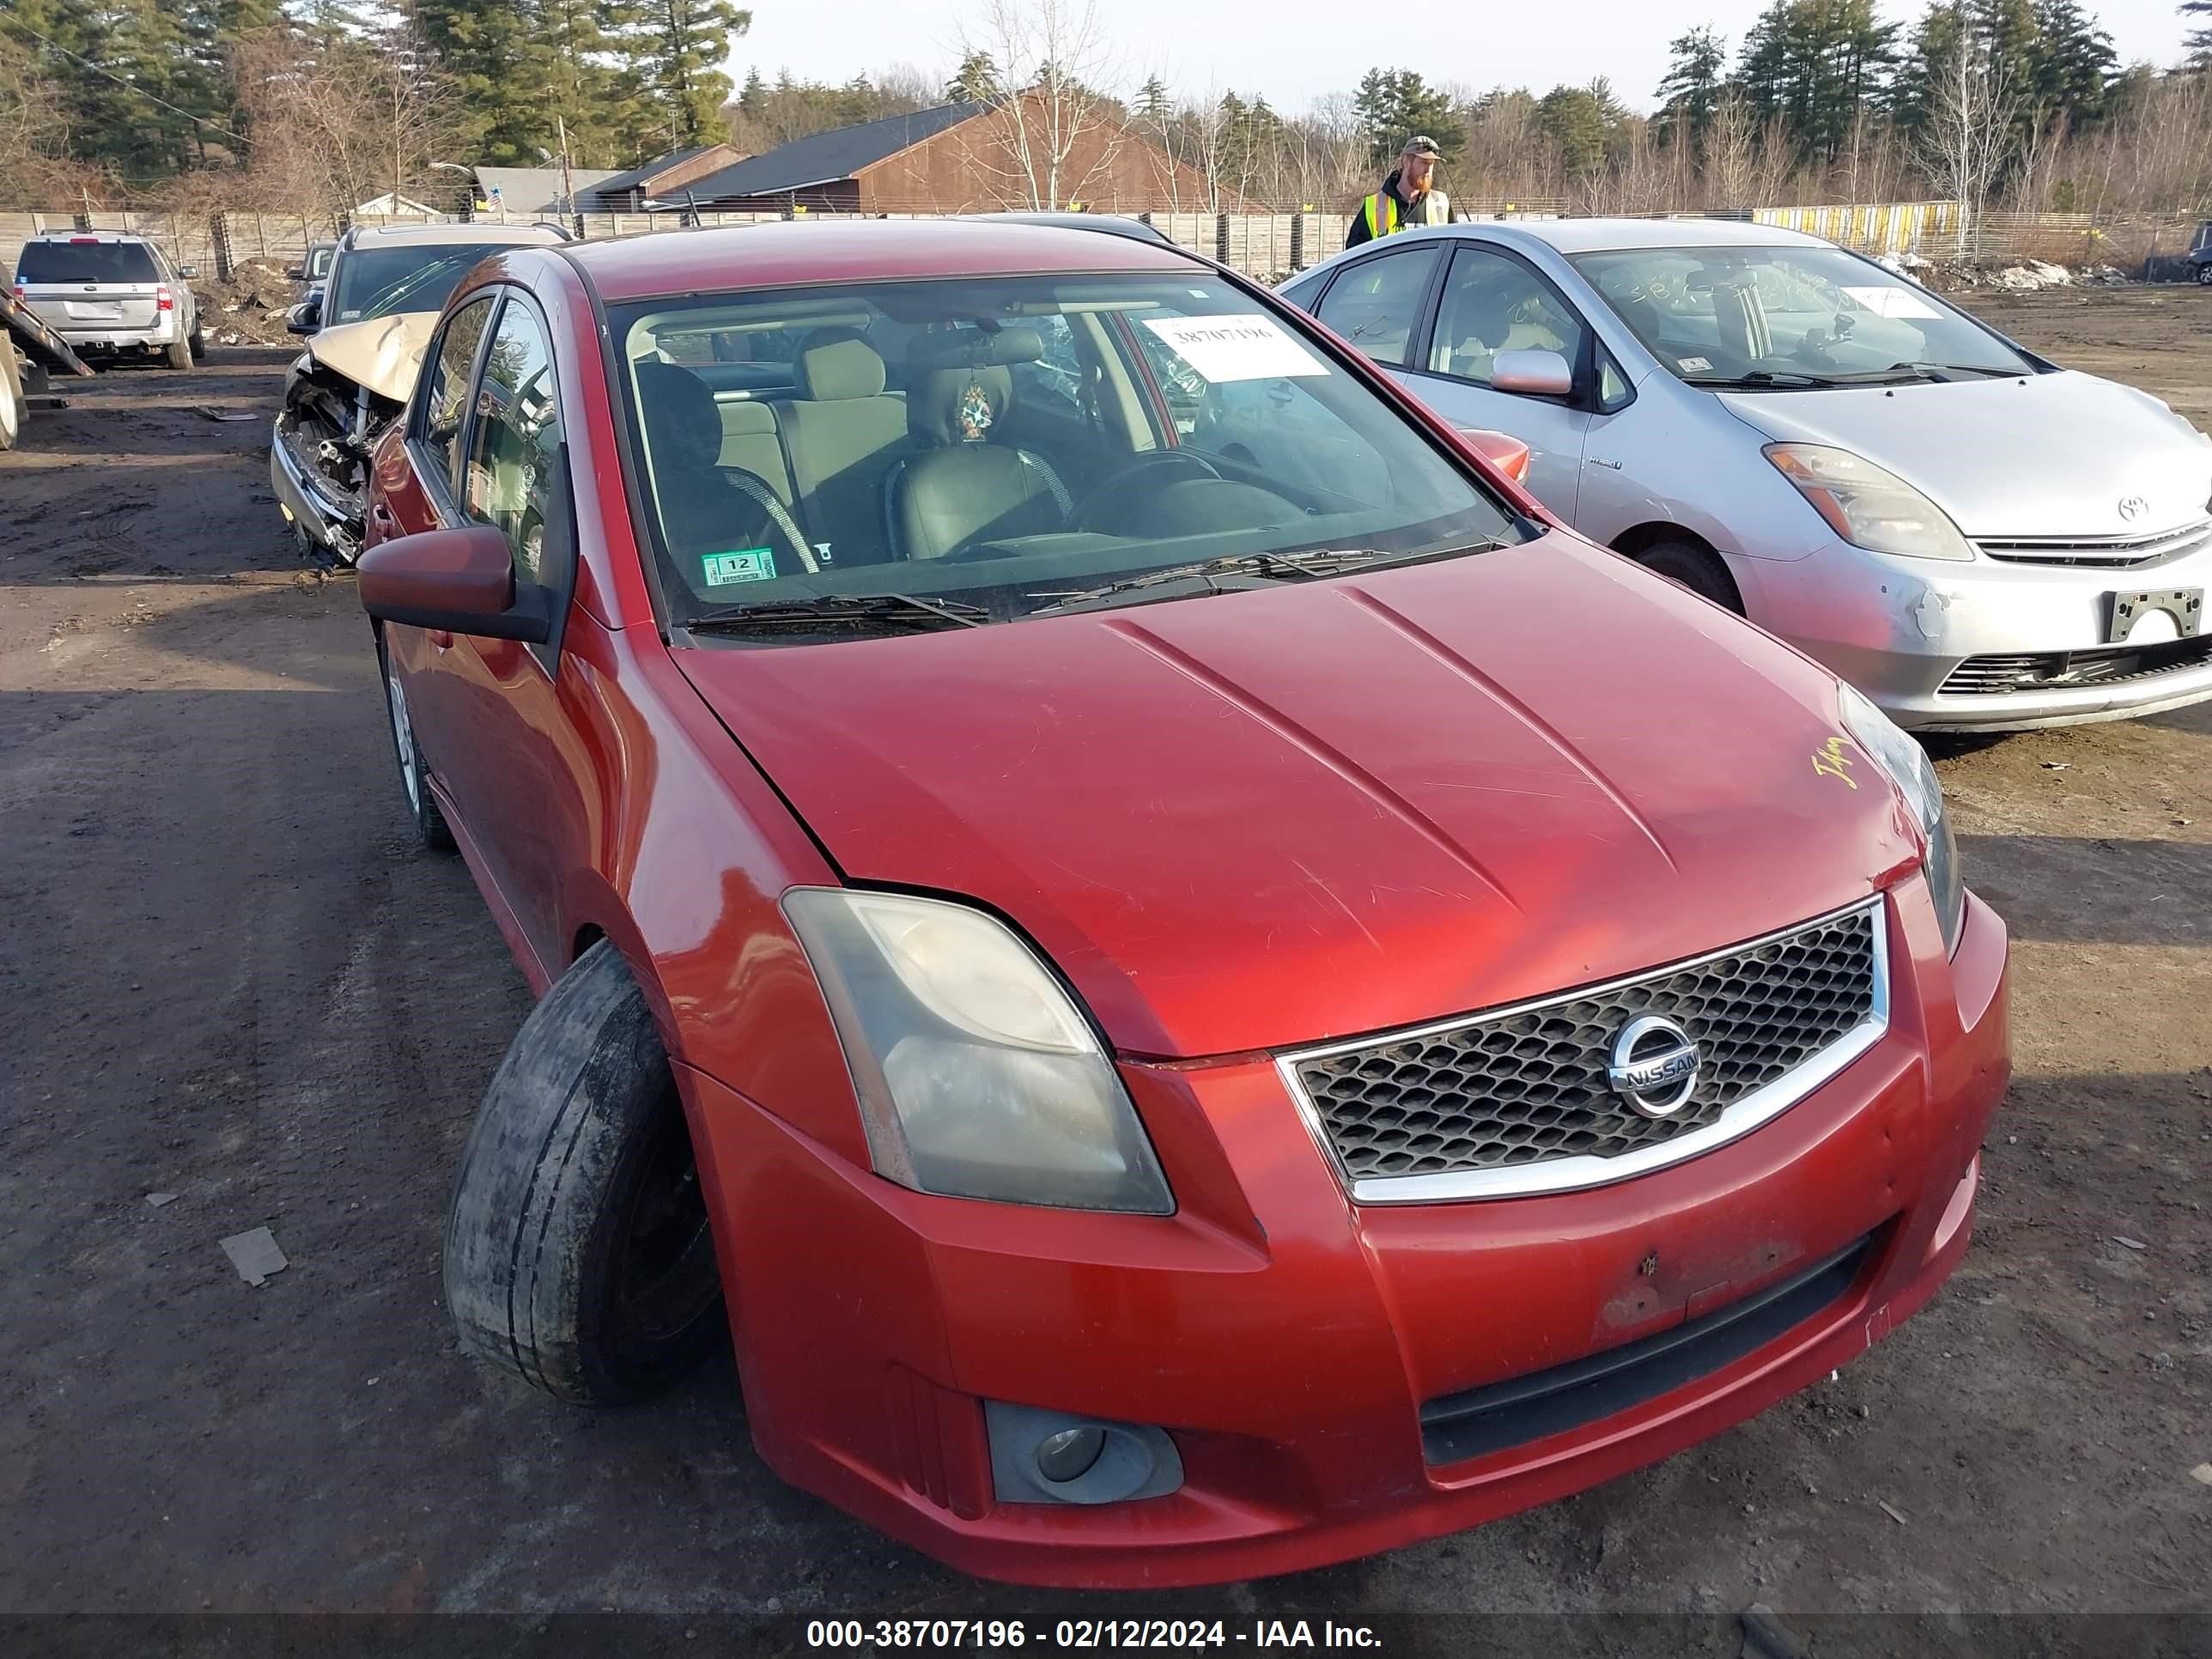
[1909,768]
[977,1076]
[1867,506]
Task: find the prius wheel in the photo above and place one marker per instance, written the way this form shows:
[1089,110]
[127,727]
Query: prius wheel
[2204,275]
[1697,569]
[578,1251]
[414,774]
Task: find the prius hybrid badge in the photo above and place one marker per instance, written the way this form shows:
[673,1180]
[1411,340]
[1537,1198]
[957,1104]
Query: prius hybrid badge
[1654,1066]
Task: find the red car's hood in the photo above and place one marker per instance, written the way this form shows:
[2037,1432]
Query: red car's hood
[1268,817]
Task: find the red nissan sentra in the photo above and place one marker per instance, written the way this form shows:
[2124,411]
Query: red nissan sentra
[1204,989]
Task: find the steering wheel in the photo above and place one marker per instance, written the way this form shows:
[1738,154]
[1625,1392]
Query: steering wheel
[1111,488]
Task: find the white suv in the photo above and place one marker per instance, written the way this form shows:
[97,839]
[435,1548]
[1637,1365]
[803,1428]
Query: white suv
[103,291]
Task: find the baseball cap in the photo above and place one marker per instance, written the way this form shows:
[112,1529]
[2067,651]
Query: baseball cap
[1420,144]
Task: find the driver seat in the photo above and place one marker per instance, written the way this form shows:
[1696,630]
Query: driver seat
[960,488]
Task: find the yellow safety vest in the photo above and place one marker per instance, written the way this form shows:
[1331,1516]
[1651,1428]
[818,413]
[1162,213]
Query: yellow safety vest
[1382,217]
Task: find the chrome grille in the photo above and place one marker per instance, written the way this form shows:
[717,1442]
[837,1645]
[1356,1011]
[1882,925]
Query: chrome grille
[2102,552]
[1518,1100]
[2060,671]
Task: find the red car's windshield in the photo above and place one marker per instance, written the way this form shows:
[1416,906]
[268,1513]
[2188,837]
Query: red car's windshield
[1012,443]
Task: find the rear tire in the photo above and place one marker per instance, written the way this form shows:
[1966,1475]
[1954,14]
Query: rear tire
[11,396]
[198,343]
[1697,569]
[178,354]
[430,826]
[578,1252]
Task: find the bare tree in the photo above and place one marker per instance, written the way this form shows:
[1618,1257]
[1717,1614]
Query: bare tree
[1730,154]
[1053,130]
[1970,129]
[338,122]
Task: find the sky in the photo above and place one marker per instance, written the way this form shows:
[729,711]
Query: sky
[1295,51]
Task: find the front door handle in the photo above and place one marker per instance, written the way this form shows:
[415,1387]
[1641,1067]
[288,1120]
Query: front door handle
[1593,460]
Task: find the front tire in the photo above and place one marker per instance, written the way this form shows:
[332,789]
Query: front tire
[430,826]
[1697,569]
[578,1253]
[2205,274]
[11,396]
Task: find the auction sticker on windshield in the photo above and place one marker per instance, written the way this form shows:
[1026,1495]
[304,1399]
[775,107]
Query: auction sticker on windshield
[1235,348]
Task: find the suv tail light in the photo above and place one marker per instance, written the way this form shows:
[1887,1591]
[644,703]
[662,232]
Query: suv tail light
[163,300]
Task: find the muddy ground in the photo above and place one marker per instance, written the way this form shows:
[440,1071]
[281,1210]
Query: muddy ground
[225,975]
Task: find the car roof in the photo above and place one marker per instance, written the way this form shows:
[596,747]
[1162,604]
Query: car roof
[1591,235]
[438,235]
[785,252]
[88,236]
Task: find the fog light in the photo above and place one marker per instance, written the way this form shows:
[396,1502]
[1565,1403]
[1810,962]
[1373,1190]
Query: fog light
[1069,1454]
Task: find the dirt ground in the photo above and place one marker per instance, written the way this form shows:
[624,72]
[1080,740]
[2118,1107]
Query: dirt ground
[225,975]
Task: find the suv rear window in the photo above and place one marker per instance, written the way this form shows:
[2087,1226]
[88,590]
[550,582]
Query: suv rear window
[86,262]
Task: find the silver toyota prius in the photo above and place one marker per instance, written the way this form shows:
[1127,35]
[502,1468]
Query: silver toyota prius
[1979,539]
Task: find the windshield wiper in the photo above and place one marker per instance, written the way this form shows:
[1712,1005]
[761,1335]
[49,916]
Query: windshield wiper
[1938,371]
[1764,378]
[1240,570]
[894,609]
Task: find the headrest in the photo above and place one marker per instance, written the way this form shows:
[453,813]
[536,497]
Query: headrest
[976,348]
[952,406]
[836,364]
[683,428]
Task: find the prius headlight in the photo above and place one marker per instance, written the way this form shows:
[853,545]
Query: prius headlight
[1909,768]
[977,1075]
[1867,506]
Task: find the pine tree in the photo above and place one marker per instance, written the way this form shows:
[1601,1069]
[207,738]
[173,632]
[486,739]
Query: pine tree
[1812,64]
[975,81]
[1393,104]
[1574,119]
[1154,106]
[1696,72]
[2200,39]
[494,54]
[2075,63]
[676,49]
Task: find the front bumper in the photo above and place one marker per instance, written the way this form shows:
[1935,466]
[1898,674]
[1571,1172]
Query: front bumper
[324,521]
[1288,1340]
[1898,629]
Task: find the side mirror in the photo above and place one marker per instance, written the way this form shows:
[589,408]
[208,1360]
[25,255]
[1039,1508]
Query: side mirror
[304,318]
[188,271]
[295,273]
[1507,453]
[461,581]
[1533,374]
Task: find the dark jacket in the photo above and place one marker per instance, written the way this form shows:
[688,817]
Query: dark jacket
[1360,232]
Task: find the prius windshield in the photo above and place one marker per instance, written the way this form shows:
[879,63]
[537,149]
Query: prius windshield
[1787,317]
[880,458]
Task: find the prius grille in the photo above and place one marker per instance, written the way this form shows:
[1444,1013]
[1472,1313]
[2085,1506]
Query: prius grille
[2060,671]
[2102,552]
[1499,1095]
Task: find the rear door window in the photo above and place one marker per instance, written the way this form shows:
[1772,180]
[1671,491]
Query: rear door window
[86,262]
[1377,304]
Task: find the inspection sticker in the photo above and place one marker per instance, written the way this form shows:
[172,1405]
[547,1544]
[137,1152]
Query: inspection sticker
[752,564]
[1249,347]
[1695,365]
[1892,302]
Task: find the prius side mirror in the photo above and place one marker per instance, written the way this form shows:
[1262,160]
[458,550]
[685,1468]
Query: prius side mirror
[459,580]
[304,318]
[1532,374]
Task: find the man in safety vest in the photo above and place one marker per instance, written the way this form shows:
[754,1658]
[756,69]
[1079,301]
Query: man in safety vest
[1405,199]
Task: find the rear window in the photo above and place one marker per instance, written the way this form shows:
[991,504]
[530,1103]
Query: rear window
[86,262]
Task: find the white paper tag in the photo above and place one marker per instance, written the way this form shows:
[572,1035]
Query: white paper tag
[1246,348]
[1892,302]
[1693,364]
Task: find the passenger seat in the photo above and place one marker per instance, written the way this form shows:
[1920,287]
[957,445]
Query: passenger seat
[965,487]
[842,435]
